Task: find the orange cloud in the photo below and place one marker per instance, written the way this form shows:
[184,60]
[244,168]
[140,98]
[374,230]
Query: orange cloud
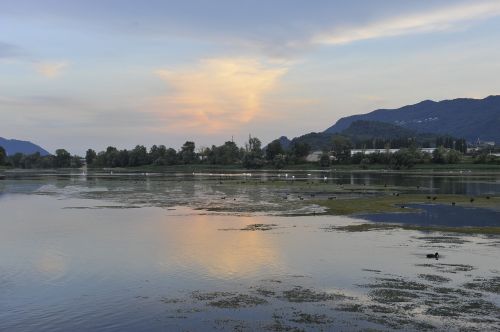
[50,69]
[216,94]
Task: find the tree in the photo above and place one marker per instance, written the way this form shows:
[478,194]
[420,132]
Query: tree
[439,155]
[273,149]
[171,157]
[138,156]
[63,158]
[253,154]
[228,153]
[76,162]
[90,156]
[453,157]
[324,160]
[3,156]
[187,154]
[341,147]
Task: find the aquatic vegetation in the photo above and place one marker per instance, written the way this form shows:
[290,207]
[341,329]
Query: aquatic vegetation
[434,278]
[259,227]
[350,307]
[443,239]
[300,294]
[238,301]
[491,285]
[396,283]
[448,268]
[393,203]
[383,227]
[209,296]
[306,318]
[387,295]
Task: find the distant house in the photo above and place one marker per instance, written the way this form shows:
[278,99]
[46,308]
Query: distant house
[370,151]
[314,156]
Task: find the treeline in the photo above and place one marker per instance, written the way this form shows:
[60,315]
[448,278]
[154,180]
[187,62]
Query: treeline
[408,142]
[448,151]
[251,155]
[61,159]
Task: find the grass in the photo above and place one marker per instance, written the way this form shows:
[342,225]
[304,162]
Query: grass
[392,203]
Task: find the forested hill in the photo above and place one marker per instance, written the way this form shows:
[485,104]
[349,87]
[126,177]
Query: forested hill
[13,146]
[467,118]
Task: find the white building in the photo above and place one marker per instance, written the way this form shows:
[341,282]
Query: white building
[370,151]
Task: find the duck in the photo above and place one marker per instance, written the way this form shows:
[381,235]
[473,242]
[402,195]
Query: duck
[436,255]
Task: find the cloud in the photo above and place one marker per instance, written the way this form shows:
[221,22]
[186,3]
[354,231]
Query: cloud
[9,50]
[216,94]
[436,20]
[50,69]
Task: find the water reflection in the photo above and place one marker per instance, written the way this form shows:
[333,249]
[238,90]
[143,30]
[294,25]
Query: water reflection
[195,244]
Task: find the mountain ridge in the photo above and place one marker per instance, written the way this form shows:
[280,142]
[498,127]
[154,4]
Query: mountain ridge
[13,146]
[461,117]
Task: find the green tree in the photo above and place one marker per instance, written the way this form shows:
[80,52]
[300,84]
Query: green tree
[3,156]
[341,147]
[439,155]
[90,156]
[138,156]
[273,149]
[63,158]
[187,154]
[253,154]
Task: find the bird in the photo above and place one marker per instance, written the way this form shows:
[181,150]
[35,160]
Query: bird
[436,256]
[453,203]
[434,198]
[472,199]
[487,197]
[428,197]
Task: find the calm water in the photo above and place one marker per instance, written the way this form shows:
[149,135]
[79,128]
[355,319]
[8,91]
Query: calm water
[117,253]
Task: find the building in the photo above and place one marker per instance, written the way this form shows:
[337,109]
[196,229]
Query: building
[370,151]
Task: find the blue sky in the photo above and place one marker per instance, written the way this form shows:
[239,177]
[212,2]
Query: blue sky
[80,74]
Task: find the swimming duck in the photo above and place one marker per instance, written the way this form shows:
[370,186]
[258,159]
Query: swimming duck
[436,256]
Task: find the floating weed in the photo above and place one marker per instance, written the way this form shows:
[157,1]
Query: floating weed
[386,295]
[491,285]
[443,239]
[259,227]
[396,283]
[434,278]
[350,307]
[209,296]
[252,227]
[300,294]
[238,301]
[448,268]
[305,318]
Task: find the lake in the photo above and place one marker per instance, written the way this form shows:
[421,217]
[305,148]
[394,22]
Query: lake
[241,251]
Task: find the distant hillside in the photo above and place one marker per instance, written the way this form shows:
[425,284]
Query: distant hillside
[361,130]
[13,146]
[467,118]
[365,130]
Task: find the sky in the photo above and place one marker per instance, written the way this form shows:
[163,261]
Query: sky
[95,73]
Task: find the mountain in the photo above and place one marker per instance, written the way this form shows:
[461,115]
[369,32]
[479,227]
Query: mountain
[361,131]
[13,146]
[365,130]
[467,118]
[285,142]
